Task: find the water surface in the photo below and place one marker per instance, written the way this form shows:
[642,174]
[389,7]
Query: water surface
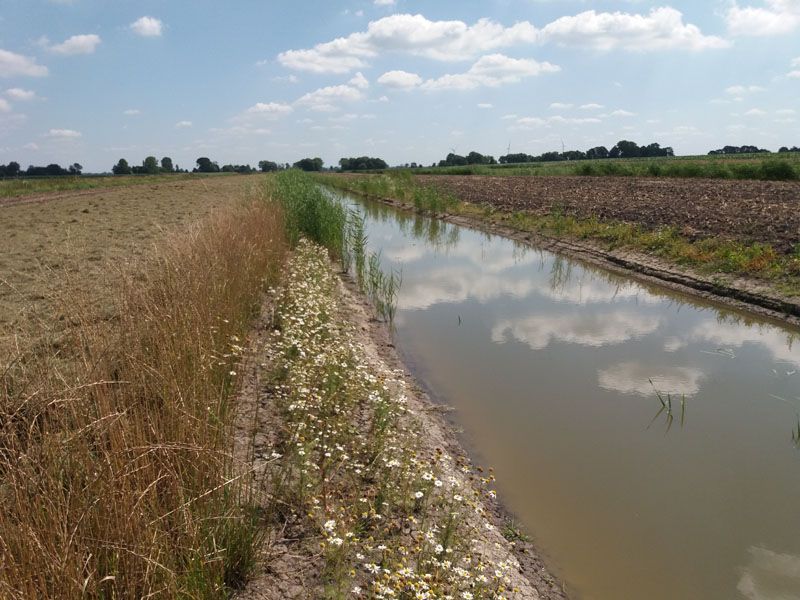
[555,370]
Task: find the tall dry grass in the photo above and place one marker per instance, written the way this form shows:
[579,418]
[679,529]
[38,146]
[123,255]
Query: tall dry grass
[116,475]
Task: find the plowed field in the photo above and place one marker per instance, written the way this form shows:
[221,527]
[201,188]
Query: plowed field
[749,211]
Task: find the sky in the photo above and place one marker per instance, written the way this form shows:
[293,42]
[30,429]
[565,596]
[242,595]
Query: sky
[92,81]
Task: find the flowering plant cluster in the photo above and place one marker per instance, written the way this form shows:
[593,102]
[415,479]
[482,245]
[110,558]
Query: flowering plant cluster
[395,516]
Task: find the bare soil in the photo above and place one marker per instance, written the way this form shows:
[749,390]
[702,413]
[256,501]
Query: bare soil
[748,211]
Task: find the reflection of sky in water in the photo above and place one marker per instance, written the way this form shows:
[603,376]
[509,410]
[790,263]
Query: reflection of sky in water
[554,370]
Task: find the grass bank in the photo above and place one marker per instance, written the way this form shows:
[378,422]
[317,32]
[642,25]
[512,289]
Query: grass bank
[372,506]
[710,255]
[116,475]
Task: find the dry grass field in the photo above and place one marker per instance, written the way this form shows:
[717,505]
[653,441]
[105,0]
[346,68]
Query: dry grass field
[73,244]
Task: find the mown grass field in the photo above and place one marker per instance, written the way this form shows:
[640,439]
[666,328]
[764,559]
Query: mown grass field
[84,241]
[27,186]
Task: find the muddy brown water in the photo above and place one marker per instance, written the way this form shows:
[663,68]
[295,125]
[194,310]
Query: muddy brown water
[557,372]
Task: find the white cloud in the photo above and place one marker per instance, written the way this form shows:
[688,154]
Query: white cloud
[785,111]
[591,106]
[561,106]
[12,64]
[63,134]
[147,27]
[485,105]
[31,146]
[5,105]
[132,112]
[286,79]
[793,74]
[20,95]
[491,71]
[269,110]
[636,378]
[535,122]
[593,330]
[385,2]
[326,99]
[663,28]
[409,34]
[774,17]
[623,113]
[755,112]
[183,124]
[509,117]
[77,44]
[400,79]
[741,90]
[359,81]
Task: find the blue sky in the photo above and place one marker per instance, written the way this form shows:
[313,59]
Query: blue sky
[95,80]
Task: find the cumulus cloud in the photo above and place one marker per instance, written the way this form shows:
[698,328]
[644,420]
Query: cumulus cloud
[536,122]
[795,74]
[623,113]
[12,65]
[132,112]
[64,134]
[591,106]
[561,106]
[5,105]
[400,79]
[595,331]
[491,71]
[359,81]
[147,27]
[409,34]
[485,105]
[77,44]
[773,17]
[20,95]
[269,110]
[385,2]
[637,378]
[663,28]
[183,124]
[741,90]
[328,98]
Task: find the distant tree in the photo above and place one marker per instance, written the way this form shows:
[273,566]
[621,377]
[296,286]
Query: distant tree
[75,169]
[150,165]
[205,165]
[121,168]
[55,170]
[166,165]
[517,158]
[12,169]
[362,163]
[309,164]
[625,149]
[453,160]
[267,166]
[597,152]
[476,158]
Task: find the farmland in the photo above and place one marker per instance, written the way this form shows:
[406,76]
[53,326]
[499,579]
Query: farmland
[162,364]
[782,166]
[740,228]
[82,238]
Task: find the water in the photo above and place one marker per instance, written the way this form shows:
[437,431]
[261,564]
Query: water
[555,371]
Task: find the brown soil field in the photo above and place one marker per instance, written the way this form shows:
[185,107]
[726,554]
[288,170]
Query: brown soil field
[748,211]
[59,247]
